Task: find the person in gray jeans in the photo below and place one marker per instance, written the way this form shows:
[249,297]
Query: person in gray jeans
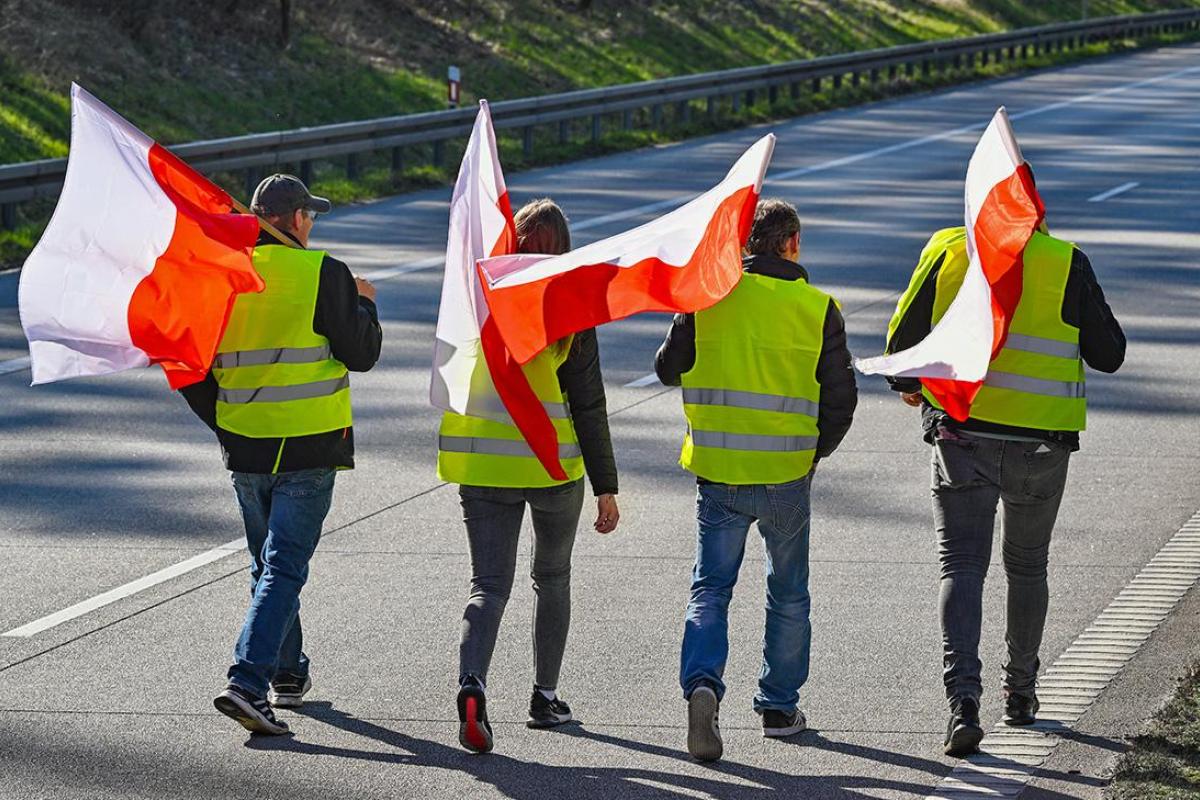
[1012,452]
[494,513]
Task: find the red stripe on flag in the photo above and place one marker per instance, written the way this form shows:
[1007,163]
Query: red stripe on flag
[1009,216]
[521,402]
[532,315]
[178,312]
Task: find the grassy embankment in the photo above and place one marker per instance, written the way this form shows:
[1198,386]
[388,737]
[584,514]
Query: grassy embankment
[186,71]
[1164,763]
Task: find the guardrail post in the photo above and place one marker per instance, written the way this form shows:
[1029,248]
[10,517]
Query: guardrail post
[397,162]
[683,112]
[8,216]
[564,131]
[874,76]
[439,152]
[735,102]
[627,118]
[306,172]
[772,94]
[352,166]
[837,81]
[925,67]
[596,131]
[527,140]
[251,179]
[750,97]
[909,69]
[795,90]
[893,71]
[855,78]
[711,106]
[656,115]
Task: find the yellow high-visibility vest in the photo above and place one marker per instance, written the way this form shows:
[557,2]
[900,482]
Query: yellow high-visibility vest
[752,397]
[277,377]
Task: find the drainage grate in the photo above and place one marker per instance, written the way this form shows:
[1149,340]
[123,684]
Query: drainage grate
[1008,757]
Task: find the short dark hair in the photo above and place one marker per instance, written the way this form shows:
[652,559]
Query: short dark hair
[542,228]
[775,222]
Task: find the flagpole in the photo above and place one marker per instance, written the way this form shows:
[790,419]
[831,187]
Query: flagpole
[262,223]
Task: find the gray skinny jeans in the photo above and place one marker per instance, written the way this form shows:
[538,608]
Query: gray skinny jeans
[493,517]
[971,475]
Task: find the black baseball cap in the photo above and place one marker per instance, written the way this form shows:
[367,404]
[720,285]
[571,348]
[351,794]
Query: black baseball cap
[279,195]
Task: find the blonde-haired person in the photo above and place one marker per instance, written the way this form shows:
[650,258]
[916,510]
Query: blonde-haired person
[499,476]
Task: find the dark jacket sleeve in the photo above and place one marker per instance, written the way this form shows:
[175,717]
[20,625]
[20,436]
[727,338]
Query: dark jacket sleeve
[839,394]
[580,378]
[678,353]
[1101,340]
[914,326]
[202,397]
[349,322]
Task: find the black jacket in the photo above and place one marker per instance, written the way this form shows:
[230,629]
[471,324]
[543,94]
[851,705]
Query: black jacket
[581,381]
[351,325]
[839,394]
[1101,344]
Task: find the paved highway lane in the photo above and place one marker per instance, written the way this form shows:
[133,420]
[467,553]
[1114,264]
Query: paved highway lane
[107,481]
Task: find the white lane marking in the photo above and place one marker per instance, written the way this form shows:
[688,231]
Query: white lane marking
[128,589]
[661,205]
[1124,187]
[14,365]
[1009,757]
[645,380]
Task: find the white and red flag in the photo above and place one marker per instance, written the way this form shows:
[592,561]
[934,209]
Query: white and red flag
[684,261]
[481,225]
[1003,209]
[140,263]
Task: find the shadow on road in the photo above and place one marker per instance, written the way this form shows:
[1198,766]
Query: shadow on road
[522,780]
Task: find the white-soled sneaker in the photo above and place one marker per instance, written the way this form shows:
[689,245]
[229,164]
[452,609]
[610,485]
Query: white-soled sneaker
[287,690]
[777,724]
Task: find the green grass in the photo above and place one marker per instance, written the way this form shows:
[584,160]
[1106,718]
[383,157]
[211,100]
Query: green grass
[1164,763]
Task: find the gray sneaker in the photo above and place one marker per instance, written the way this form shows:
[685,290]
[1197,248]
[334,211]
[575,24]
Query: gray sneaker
[704,734]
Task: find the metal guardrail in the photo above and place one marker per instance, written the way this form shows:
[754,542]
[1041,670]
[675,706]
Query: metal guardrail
[298,148]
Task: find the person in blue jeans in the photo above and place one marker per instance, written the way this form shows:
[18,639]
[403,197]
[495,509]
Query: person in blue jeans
[278,399]
[767,391]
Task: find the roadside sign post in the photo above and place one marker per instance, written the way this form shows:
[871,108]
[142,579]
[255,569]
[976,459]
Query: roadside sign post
[453,83]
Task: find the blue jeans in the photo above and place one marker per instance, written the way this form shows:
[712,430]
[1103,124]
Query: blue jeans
[725,513]
[283,515]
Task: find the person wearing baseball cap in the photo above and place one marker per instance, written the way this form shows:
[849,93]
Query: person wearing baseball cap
[278,399]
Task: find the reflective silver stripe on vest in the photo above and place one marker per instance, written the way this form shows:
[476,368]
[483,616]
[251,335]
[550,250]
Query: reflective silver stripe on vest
[495,407]
[498,447]
[747,441]
[1039,344]
[1023,383]
[754,400]
[280,394]
[275,355]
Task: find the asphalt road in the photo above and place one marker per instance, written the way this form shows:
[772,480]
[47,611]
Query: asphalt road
[109,480]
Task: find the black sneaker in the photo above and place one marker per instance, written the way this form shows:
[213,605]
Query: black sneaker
[704,732]
[1020,709]
[545,713]
[474,732]
[963,733]
[777,724]
[252,713]
[288,690]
